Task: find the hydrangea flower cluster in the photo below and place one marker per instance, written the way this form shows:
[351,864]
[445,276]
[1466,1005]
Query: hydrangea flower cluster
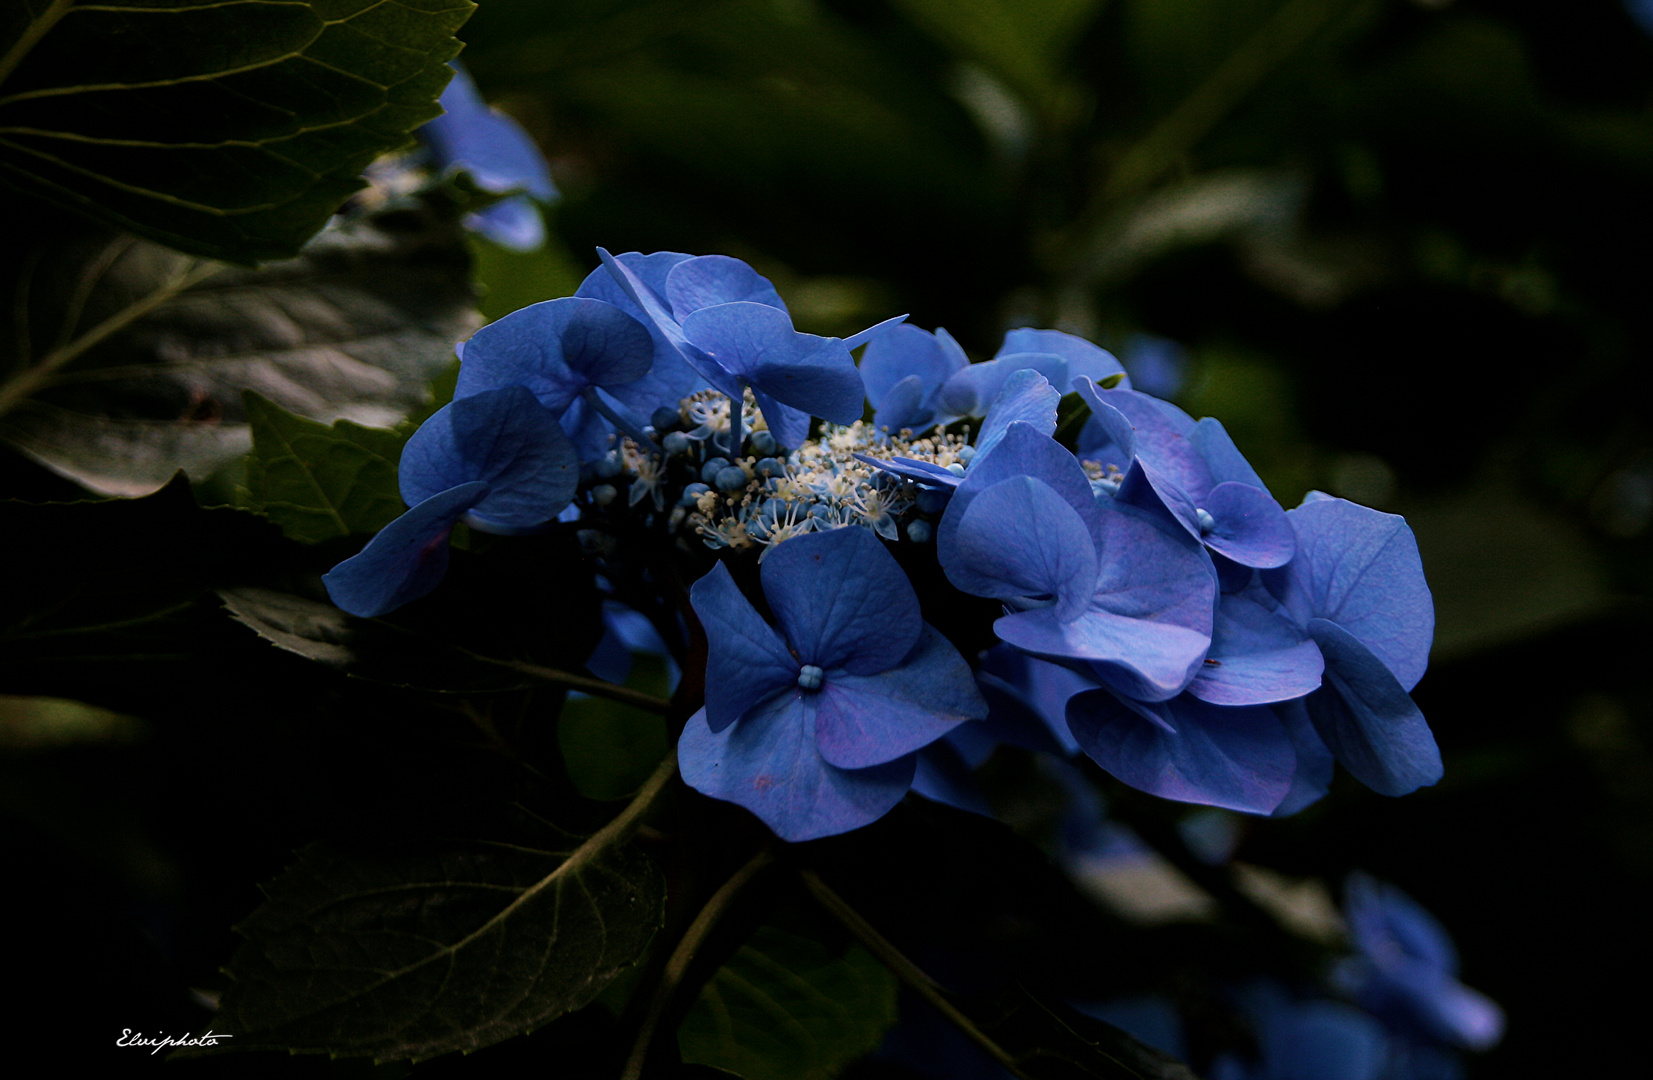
[1140,596]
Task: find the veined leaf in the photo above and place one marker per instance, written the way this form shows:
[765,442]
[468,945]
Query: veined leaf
[788,1008]
[231,129]
[318,482]
[153,349]
[448,944]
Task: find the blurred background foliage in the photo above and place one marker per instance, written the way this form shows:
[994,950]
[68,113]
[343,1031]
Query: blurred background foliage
[1397,246]
[1400,246]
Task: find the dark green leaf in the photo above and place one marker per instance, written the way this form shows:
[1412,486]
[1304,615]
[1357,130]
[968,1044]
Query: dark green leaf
[154,349]
[318,482]
[788,1008]
[230,129]
[608,747]
[414,950]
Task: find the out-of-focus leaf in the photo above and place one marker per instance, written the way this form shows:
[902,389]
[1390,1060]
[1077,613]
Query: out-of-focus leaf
[1052,1041]
[786,1007]
[414,949]
[153,349]
[1021,41]
[610,748]
[231,130]
[510,280]
[318,482]
[40,723]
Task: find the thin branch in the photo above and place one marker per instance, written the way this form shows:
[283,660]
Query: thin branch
[682,956]
[584,683]
[905,970]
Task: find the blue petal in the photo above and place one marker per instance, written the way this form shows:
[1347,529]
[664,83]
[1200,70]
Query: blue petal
[922,472]
[1022,452]
[899,353]
[842,601]
[768,764]
[789,426]
[1224,460]
[406,560]
[489,145]
[1384,923]
[1145,660]
[1250,528]
[709,280]
[1360,568]
[557,348]
[943,776]
[504,438]
[1027,700]
[1020,539]
[873,332]
[757,344]
[1315,763]
[1239,759]
[864,720]
[901,406]
[1151,569]
[1160,437]
[1367,719]
[513,223]
[1091,361]
[627,275]
[972,389]
[1259,657]
[1027,397]
[746,660]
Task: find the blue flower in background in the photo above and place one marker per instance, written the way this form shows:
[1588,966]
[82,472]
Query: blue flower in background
[500,158]
[497,461]
[1405,970]
[814,725]
[1357,589]
[1306,1040]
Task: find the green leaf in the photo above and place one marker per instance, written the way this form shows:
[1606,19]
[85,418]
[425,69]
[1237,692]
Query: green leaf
[788,1008]
[1021,41]
[1052,1041]
[233,129]
[318,482]
[131,359]
[608,747]
[410,950]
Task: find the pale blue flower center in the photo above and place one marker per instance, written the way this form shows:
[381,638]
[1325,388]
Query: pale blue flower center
[1206,521]
[809,677]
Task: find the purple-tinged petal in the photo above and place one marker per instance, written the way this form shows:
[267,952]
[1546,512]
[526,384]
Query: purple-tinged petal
[842,601]
[1239,759]
[1250,527]
[1160,437]
[649,271]
[406,560]
[1145,660]
[1091,361]
[865,720]
[822,381]
[557,348]
[1315,763]
[1257,657]
[944,776]
[1386,924]
[1367,719]
[709,280]
[757,345]
[1027,397]
[768,764]
[873,332]
[504,438]
[1360,568]
[1022,452]
[1151,569]
[1020,539]
[746,660]
[1027,699]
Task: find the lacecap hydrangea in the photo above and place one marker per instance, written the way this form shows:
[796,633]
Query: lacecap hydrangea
[1139,595]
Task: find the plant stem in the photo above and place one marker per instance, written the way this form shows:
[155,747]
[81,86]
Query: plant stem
[905,970]
[682,956]
[584,683]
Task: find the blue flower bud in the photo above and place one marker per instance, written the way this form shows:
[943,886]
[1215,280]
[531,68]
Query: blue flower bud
[762,443]
[676,443]
[692,493]
[666,418]
[933,500]
[709,471]
[608,466]
[769,466]
[919,532]
[603,494]
[731,478]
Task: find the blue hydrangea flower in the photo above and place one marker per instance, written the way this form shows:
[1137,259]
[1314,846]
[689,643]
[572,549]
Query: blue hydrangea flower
[1357,588]
[571,352]
[497,461]
[1405,970]
[904,370]
[1193,469]
[814,725]
[730,325]
[500,158]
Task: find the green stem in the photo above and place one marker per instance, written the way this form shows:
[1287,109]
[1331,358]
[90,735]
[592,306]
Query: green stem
[682,956]
[584,683]
[905,970]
